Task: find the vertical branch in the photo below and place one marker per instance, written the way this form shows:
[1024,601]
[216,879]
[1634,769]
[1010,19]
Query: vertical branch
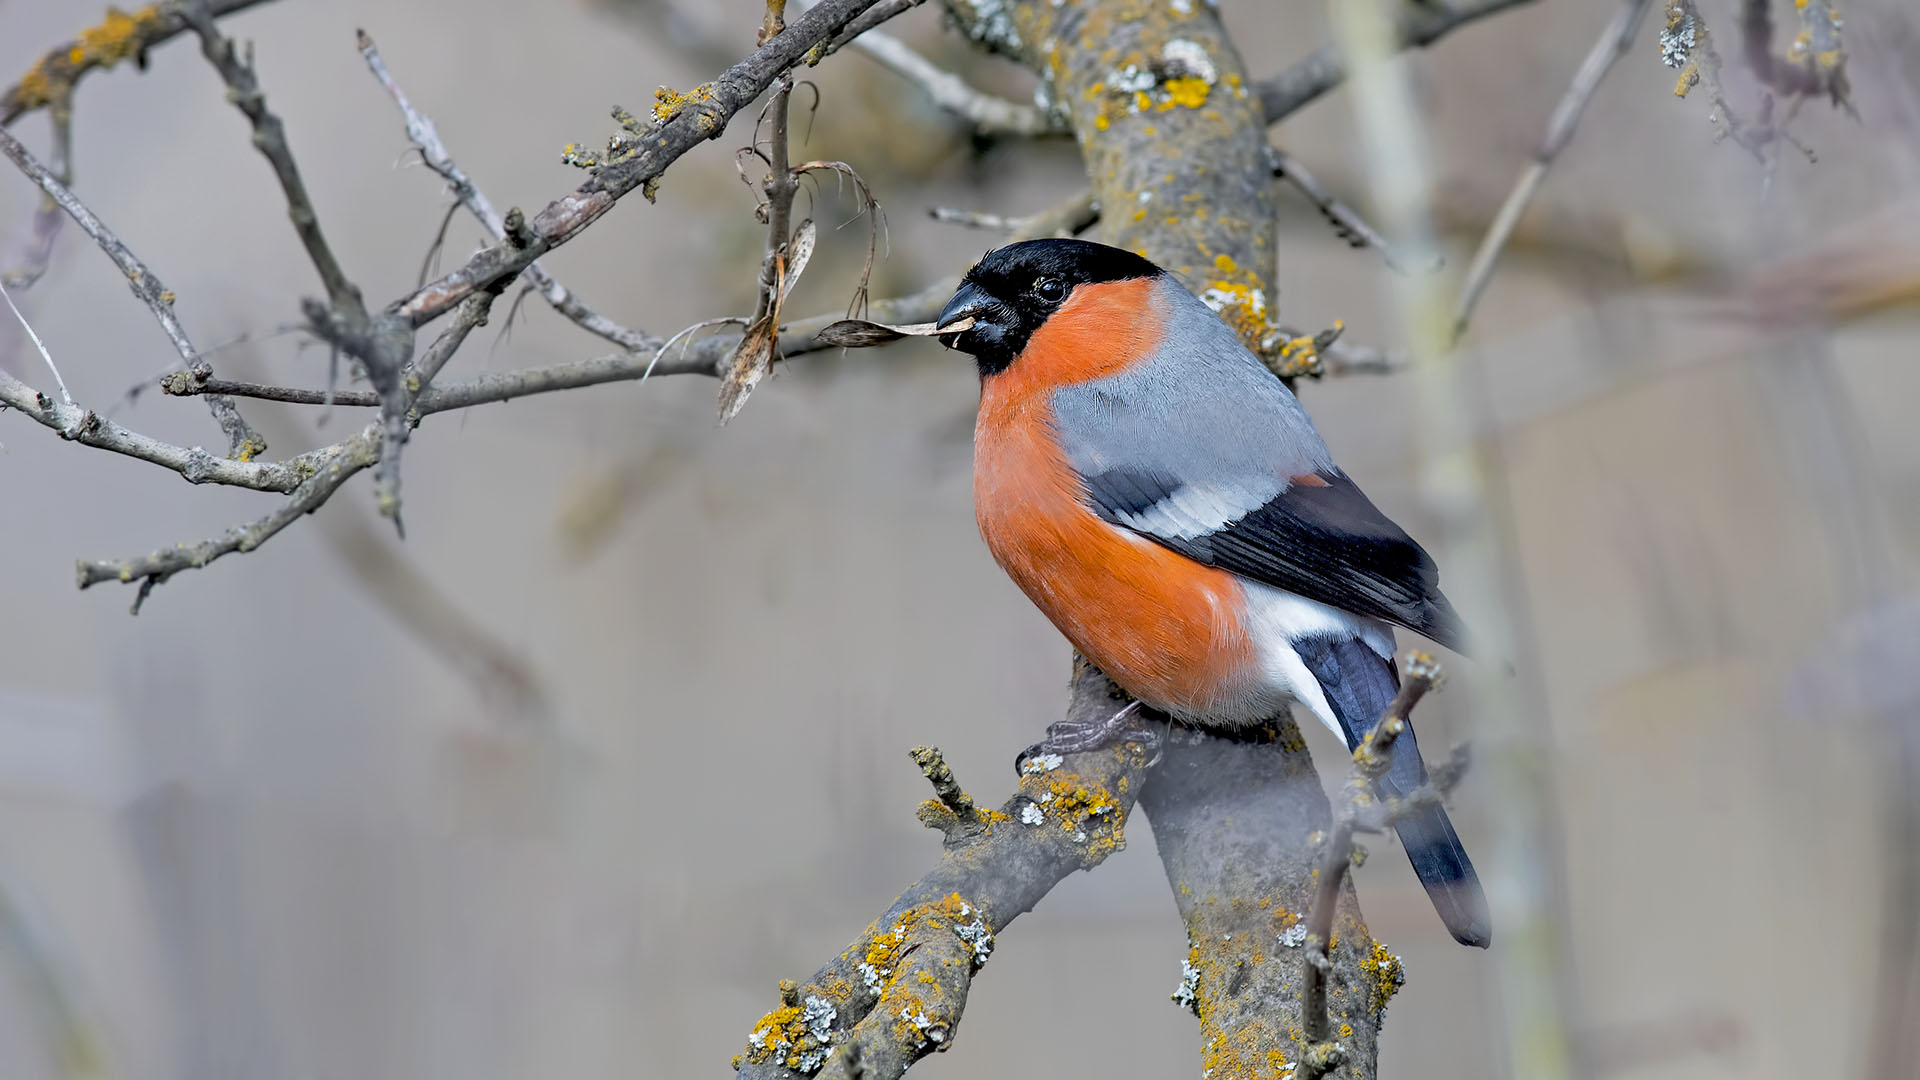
[270,138]
[1456,481]
[753,359]
[1235,822]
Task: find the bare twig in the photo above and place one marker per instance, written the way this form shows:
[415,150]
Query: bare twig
[89,428]
[122,36]
[1350,226]
[433,153]
[984,112]
[471,314]
[48,215]
[1067,218]
[243,442]
[872,17]
[66,398]
[1418,26]
[270,138]
[1613,43]
[339,464]
[383,345]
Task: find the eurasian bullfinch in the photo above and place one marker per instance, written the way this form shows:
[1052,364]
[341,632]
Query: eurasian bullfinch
[1167,503]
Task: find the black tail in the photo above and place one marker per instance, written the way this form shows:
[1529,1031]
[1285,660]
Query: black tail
[1359,685]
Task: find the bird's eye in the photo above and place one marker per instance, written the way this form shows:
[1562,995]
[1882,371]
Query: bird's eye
[1051,290]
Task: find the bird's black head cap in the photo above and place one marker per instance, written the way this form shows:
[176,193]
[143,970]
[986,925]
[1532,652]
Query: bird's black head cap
[1012,290]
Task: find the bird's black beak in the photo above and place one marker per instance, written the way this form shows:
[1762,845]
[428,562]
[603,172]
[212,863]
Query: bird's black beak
[969,303]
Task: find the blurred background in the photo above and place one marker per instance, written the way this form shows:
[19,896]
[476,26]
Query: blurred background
[564,784]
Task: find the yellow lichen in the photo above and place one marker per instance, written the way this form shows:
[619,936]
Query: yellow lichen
[1385,975]
[1187,92]
[669,103]
[119,36]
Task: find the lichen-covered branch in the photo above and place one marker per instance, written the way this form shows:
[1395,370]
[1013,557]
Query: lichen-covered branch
[121,36]
[897,992]
[1236,822]
[682,121]
[1815,65]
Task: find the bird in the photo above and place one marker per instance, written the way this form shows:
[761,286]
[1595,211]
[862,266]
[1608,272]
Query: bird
[1167,503]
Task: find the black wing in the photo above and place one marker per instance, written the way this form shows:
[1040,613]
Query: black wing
[1325,541]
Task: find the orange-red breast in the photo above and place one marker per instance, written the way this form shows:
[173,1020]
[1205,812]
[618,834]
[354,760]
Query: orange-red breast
[1167,503]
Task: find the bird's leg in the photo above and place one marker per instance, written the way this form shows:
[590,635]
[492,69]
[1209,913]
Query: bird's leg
[1070,737]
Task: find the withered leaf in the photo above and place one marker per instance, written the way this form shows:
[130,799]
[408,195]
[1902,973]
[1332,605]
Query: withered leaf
[752,359]
[799,251]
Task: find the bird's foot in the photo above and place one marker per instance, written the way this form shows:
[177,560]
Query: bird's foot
[1078,737]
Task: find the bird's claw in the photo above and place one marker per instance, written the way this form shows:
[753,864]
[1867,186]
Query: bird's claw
[1081,736]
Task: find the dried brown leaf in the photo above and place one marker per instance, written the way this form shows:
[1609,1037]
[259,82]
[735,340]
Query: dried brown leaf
[752,359]
[799,252]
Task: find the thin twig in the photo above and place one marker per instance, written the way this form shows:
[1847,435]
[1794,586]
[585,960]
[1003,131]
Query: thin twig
[242,441]
[982,111]
[48,215]
[270,138]
[344,460]
[433,153]
[1418,26]
[1614,42]
[1074,215]
[1345,220]
[65,397]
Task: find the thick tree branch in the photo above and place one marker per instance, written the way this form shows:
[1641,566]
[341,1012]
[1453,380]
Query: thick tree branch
[896,993]
[122,36]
